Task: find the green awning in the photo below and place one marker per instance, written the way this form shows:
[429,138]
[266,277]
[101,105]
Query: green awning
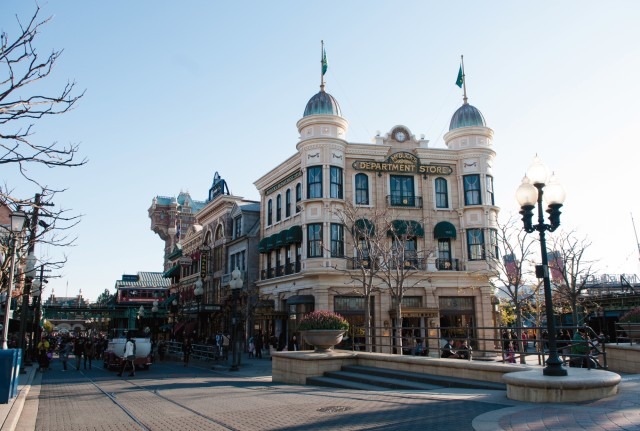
[406,227]
[280,239]
[176,253]
[444,229]
[294,235]
[263,245]
[175,269]
[271,242]
[169,300]
[363,226]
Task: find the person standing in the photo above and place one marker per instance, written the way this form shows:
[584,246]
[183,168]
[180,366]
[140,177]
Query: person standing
[89,352]
[129,357]
[187,348]
[258,345]
[78,350]
[293,344]
[66,347]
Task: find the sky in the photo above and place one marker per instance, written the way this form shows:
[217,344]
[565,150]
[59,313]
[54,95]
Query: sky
[176,91]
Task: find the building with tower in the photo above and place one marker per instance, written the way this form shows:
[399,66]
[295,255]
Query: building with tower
[438,203]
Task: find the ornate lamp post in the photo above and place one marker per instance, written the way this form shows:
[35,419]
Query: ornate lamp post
[174,311]
[140,315]
[535,185]
[198,291]
[18,219]
[154,313]
[235,283]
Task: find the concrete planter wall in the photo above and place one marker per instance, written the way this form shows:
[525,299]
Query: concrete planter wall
[623,358]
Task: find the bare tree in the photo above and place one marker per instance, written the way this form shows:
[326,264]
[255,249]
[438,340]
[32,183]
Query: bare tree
[363,267]
[399,261]
[570,268]
[511,273]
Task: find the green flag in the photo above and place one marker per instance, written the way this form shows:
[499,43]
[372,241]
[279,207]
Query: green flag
[324,61]
[460,79]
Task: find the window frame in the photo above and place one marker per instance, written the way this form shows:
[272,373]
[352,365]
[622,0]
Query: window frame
[475,244]
[314,182]
[314,240]
[287,203]
[397,200]
[337,240]
[440,195]
[489,190]
[336,182]
[472,190]
[270,212]
[361,195]
[278,208]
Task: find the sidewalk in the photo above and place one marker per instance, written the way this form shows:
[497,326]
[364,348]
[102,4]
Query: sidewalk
[10,412]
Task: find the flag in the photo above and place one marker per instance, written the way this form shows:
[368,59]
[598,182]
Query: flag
[324,61]
[460,79]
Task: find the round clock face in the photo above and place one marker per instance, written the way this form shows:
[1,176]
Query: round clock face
[401,136]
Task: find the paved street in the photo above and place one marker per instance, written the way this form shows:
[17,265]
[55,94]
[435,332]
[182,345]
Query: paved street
[172,397]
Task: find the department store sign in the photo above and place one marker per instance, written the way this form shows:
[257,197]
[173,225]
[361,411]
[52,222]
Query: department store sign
[283,182]
[402,162]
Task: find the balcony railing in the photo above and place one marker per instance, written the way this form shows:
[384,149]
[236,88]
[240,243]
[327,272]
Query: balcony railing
[280,271]
[448,265]
[404,201]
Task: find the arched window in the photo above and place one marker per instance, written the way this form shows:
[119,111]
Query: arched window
[279,208]
[314,182]
[362,189]
[298,196]
[287,204]
[269,211]
[442,194]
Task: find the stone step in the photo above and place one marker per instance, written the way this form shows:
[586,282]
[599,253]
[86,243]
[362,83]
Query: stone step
[331,382]
[379,381]
[428,379]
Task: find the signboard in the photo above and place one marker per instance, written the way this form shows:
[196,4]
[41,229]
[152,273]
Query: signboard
[185,261]
[402,162]
[203,265]
[131,278]
[283,182]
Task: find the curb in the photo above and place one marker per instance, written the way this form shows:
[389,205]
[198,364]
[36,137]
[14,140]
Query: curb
[13,416]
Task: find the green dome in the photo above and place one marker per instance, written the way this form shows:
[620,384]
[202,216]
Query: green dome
[467,116]
[322,103]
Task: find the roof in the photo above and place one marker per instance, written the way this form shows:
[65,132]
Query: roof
[467,116]
[143,279]
[322,104]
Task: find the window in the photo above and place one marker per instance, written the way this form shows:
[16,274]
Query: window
[442,194]
[287,203]
[443,262]
[335,182]
[402,191]
[337,240]
[472,190]
[314,240]
[475,244]
[269,211]
[314,182]
[494,253]
[489,185]
[298,196]
[279,272]
[405,252]
[362,189]
[279,208]
[237,260]
[237,227]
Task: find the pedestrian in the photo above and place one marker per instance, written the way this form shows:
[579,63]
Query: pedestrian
[258,345]
[187,348]
[293,344]
[252,348]
[510,355]
[89,352]
[129,357]
[66,347]
[162,349]
[43,352]
[447,350]
[464,351]
[78,350]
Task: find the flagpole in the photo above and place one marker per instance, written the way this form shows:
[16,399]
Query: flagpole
[321,65]
[464,81]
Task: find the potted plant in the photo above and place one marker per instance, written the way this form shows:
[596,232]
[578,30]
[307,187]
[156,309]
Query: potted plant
[630,322]
[323,329]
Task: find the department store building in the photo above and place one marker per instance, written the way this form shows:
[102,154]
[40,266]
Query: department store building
[444,194]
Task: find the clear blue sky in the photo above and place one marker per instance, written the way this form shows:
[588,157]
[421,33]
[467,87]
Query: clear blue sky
[179,90]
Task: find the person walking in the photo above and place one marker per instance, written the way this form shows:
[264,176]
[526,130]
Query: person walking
[129,357]
[89,352]
[78,350]
[66,347]
[258,345]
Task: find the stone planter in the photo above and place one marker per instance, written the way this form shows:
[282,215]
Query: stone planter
[632,330]
[323,339]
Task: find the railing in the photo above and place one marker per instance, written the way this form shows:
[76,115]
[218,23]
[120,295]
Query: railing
[448,264]
[404,201]
[280,270]
[203,352]
[487,343]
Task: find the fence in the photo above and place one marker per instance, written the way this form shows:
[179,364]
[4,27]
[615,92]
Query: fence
[486,343]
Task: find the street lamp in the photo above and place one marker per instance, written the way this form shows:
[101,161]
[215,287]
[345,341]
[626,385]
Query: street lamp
[154,312]
[17,223]
[528,194]
[174,311]
[235,284]
[198,291]
[141,315]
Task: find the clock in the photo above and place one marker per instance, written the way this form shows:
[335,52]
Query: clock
[400,136]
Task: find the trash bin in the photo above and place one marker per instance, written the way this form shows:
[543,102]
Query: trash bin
[9,374]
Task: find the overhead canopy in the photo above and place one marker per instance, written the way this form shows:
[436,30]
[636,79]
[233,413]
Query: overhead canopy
[294,235]
[406,227]
[174,270]
[271,242]
[263,245]
[167,302]
[363,226]
[444,229]
[280,239]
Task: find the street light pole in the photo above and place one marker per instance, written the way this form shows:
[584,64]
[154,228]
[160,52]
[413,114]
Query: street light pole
[17,223]
[154,312]
[235,283]
[198,291]
[528,195]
